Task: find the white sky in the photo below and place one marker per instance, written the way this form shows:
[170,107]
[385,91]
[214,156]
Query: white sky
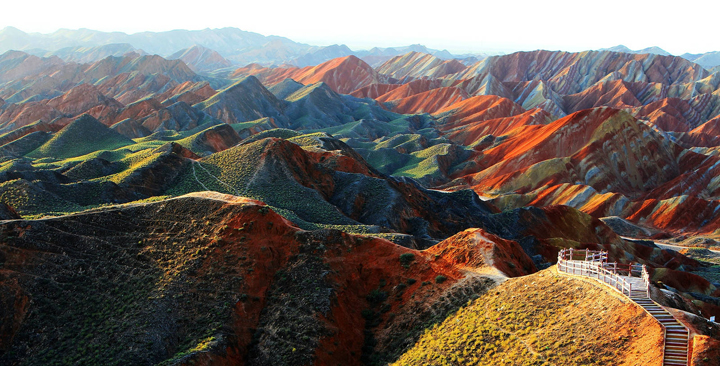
[459,26]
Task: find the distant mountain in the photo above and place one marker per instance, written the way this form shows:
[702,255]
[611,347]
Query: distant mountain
[707,60]
[85,55]
[229,42]
[377,56]
[16,65]
[651,50]
[200,58]
[81,136]
[321,55]
[342,75]
[418,65]
[246,100]
[558,70]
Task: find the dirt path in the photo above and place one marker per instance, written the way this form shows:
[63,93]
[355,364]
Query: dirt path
[196,178]
[231,188]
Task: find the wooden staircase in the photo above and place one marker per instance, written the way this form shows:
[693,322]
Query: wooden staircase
[676,335]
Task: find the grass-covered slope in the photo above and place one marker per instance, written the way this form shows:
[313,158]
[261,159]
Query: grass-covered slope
[270,170]
[246,100]
[211,279]
[82,136]
[543,319]
[140,285]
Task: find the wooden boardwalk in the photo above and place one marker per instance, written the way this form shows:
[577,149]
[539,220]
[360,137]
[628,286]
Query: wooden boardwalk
[620,278]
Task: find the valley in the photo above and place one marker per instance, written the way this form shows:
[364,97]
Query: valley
[205,206]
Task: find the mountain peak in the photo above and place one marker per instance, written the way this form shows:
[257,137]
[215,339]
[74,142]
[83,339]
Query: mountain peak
[200,58]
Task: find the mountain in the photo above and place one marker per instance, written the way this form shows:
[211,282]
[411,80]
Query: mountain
[245,100]
[320,55]
[199,58]
[153,285]
[561,70]
[649,50]
[525,298]
[83,135]
[430,101]
[84,55]
[707,60]
[81,99]
[232,45]
[17,65]
[415,65]
[343,75]
[285,88]
[229,42]
[345,214]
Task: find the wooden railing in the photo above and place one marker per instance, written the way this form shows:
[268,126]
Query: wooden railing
[594,264]
[646,277]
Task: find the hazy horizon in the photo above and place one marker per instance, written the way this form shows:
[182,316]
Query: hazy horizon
[460,27]
[490,51]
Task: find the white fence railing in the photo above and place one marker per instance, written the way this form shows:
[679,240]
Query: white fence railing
[593,263]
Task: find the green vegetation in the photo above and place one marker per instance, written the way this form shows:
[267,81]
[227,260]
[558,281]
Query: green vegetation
[289,331]
[309,140]
[240,170]
[282,133]
[27,198]
[517,324]
[80,137]
[711,270]
[129,287]
[406,259]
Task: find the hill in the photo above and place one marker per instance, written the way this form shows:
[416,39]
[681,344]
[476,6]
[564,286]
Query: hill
[415,65]
[200,58]
[177,297]
[342,75]
[82,136]
[245,100]
[539,319]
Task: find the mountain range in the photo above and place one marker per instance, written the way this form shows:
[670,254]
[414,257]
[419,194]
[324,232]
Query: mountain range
[235,45]
[170,204]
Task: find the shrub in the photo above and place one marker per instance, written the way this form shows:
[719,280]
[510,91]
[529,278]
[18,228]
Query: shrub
[406,259]
[376,296]
[440,279]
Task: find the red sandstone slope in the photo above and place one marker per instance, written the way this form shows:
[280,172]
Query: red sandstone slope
[188,92]
[476,109]
[200,58]
[589,138]
[430,101]
[374,90]
[711,127]
[616,94]
[241,269]
[417,65]
[471,134]
[475,248]
[569,73]
[409,89]
[606,163]
[81,99]
[343,75]
[563,83]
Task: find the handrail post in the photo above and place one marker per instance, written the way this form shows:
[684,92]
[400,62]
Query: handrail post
[646,279]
